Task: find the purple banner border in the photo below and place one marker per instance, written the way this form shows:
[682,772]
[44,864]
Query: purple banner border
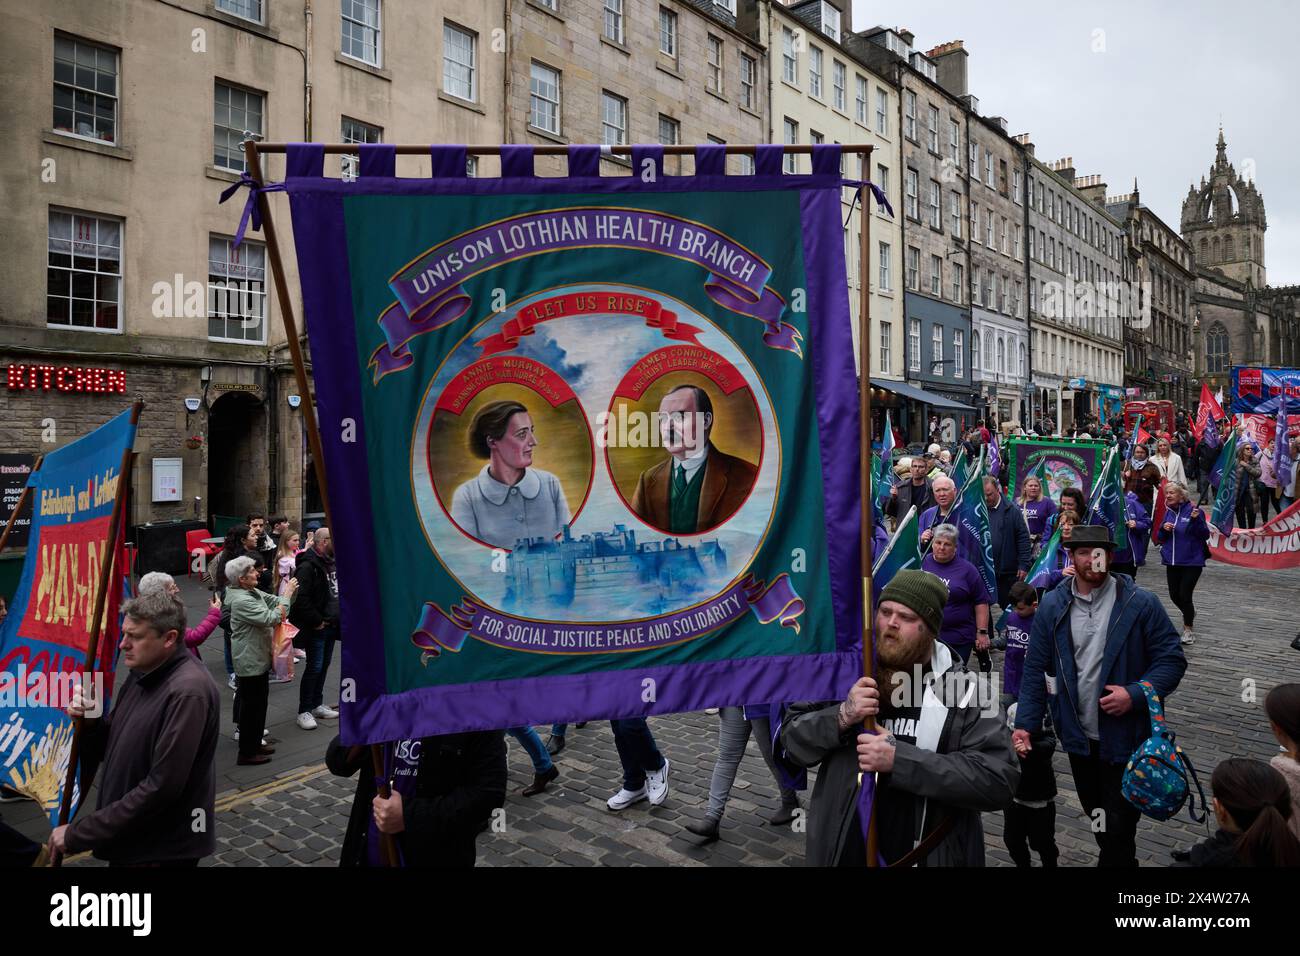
[317,213]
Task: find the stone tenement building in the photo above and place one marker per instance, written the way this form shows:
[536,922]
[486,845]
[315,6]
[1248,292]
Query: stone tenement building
[1239,319]
[1158,343]
[125,119]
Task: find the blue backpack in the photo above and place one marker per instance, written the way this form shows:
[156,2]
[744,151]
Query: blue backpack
[1156,778]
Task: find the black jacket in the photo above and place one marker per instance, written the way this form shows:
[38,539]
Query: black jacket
[908,495]
[1037,779]
[316,603]
[460,781]
[1218,850]
[1010,535]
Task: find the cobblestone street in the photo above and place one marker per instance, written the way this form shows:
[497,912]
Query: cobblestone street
[292,812]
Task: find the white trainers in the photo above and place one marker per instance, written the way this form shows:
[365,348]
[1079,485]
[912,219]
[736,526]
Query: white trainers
[711,711]
[625,798]
[656,784]
[1188,636]
[306,721]
[325,712]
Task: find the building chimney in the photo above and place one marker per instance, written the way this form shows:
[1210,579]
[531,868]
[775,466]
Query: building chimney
[1064,168]
[1092,188]
[950,59]
[908,36]
[1026,143]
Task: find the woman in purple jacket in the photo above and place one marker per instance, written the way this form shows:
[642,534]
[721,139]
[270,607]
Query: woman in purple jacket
[1038,509]
[1182,536]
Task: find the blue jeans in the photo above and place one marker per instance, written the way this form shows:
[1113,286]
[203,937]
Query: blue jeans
[637,751]
[319,648]
[230,661]
[533,744]
[557,730]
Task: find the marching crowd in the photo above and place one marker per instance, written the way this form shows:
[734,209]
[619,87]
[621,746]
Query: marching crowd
[1088,657]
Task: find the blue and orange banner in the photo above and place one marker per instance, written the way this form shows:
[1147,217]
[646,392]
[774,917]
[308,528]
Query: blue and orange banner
[591,442]
[43,640]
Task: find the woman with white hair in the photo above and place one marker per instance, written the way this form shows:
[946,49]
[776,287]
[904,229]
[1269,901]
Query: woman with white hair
[253,616]
[966,615]
[158,582]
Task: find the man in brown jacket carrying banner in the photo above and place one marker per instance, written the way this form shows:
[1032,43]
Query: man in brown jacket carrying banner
[943,754]
[158,785]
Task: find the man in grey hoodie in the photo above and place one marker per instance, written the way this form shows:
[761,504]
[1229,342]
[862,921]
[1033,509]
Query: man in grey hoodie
[943,754]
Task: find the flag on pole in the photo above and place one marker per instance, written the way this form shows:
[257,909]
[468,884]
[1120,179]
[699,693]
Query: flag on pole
[960,469]
[974,542]
[1158,511]
[1108,501]
[1139,435]
[885,477]
[1040,572]
[1225,502]
[1282,460]
[1208,412]
[1218,400]
[901,553]
[995,457]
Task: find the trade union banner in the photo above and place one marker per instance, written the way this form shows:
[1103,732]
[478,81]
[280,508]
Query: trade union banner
[43,639]
[591,442]
[1257,396]
[1270,547]
[1066,464]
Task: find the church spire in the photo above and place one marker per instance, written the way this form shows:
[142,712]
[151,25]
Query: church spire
[1221,159]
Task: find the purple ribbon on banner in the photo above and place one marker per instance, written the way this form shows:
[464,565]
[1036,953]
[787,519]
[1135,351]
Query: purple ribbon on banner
[251,210]
[876,191]
[439,630]
[429,289]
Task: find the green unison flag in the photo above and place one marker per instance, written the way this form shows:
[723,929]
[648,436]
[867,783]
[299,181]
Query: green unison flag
[902,553]
[1041,570]
[1225,500]
[1108,501]
[960,469]
[974,542]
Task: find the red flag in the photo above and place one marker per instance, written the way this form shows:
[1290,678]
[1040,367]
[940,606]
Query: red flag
[1143,436]
[1158,512]
[1208,406]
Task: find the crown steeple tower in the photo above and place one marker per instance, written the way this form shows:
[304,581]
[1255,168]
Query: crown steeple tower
[1223,220]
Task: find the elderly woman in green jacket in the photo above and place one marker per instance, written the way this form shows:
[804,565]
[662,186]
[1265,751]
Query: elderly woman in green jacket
[254,615]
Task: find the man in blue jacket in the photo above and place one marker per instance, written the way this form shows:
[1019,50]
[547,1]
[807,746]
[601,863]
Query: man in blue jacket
[1095,636]
[1010,536]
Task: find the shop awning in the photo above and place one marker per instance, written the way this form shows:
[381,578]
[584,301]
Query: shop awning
[920,395]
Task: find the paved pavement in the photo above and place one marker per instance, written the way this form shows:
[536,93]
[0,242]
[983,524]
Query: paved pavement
[292,812]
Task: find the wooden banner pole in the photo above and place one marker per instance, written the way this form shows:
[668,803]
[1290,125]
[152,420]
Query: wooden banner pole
[101,597]
[864,437]
[308,407]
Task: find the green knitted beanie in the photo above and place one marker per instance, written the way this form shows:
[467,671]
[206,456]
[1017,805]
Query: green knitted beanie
[922,592]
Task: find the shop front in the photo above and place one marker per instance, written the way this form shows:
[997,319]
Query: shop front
[209,442]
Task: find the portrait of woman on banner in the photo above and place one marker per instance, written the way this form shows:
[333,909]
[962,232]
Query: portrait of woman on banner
[508,499]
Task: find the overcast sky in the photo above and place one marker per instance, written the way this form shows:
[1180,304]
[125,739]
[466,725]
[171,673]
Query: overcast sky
[1136,88]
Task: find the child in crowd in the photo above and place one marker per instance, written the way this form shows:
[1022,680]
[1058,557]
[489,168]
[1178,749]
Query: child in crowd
[1282,705]
[1030,821]
[1252,803]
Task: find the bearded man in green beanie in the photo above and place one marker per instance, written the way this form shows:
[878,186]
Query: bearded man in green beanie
[942,755]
